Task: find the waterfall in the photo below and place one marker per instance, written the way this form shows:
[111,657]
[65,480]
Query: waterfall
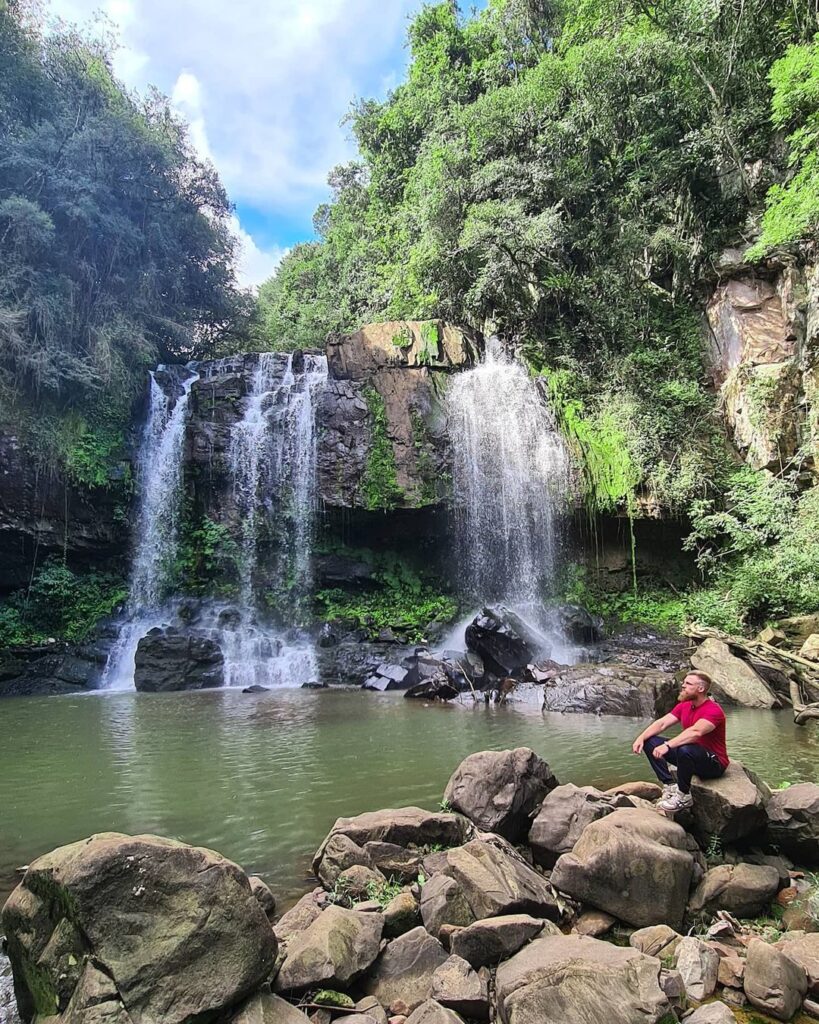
[8,1004]
[272,461]
[159,478]
[510,476]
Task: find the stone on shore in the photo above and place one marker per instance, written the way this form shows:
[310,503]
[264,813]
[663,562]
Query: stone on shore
[431,1012]
[712,1013]
[633,864]
[488,942]
[563,815]
[744,890]
[734,679]
[177,927]
[300,916]
[444,903]
[95,1001]
[403,972]
[698,964]
[658,940]
[793,821]
[335,950]
[394,861]
[500,790]
[569,979]
[457,986]
[401,914]
[804,950]
[731,807]
[594,923]
[773,983]
[610,689]
[264,897]
[496,880]
[340,853]
[267,1008]
[403,826]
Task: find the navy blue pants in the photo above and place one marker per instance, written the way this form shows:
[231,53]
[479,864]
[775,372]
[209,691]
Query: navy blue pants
[690,759]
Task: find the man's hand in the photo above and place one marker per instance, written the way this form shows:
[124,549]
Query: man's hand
[637,746]
[660,752]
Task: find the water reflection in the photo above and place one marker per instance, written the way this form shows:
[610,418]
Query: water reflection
[261,777]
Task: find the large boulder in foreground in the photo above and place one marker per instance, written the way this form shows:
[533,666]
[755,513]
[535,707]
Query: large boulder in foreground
[793,822]
[404,826]
[734,678]
[177,929]
[335,950]
[568,979]
[611,690]
[404,971]
[731,807]
[772,982]
[499,790]
[744,890]
[633,864]
[168,658]
[564,815]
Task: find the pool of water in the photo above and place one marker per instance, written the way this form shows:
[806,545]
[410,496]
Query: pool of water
[262,777]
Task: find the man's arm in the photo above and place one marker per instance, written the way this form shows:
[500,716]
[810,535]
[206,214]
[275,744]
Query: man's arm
[654,730]
[693,732]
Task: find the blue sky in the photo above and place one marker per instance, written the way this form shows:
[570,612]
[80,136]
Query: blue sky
[263,87]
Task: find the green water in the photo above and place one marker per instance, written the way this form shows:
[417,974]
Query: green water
[262,777]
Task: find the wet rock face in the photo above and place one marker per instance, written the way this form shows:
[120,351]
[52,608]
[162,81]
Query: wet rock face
[611,690]
[168,658]
[380,417]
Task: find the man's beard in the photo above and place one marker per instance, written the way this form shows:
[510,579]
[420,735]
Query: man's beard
[682,695]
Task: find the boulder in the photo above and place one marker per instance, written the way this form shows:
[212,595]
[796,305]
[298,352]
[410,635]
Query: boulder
[658,940]
[744,890]
[569,979]
[495,880]
[403,972]
[394,861]
[699,966]
[499,790]
[357,882]
[504,642]
[563,815]
[731,971]
[338,854]
[336,949]
[810,648]
[488,942]
[804,950]
[177,927]
[388,677]
[401,914]
[405,826]
[267,1008]
[168,658]
[734,679]
[594,923]
[300,916]
[443,902]
[437,688]
[731,807]
[773,983]
[431,1012]
[95,1001]
[611,689]
[793,821]
[798,628]
[264,897]
[712,1013]
[371,1007]
[641,790]
[633,864]
[457,986]
[576,624]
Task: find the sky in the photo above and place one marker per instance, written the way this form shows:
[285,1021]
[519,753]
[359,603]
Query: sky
[264,87]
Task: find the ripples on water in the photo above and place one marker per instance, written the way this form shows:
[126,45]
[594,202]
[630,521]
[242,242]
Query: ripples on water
[262,777]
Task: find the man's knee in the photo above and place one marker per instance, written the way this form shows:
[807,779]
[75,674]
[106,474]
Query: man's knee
[652,742]
[688,752]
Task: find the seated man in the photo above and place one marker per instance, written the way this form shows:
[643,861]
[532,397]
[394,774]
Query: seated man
[698,750]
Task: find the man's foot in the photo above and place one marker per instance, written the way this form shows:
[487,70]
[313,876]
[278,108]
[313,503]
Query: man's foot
[677,802]
[669,789]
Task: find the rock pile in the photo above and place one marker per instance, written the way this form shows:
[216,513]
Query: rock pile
[436,918]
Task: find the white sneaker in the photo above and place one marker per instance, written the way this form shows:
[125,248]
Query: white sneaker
[669,789]
[677,802]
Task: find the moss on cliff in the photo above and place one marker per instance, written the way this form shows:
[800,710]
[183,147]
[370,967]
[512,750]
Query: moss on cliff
[379,486]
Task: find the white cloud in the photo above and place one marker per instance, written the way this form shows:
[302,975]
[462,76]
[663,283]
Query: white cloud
[255,265]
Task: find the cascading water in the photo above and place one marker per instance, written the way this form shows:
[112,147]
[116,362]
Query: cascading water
[273,466]
[510,476]
[159,469]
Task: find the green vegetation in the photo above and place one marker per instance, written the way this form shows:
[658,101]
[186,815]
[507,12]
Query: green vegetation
[379,484]
[384,892]
[59,603]
[207,557]
[400,598]
[115,249]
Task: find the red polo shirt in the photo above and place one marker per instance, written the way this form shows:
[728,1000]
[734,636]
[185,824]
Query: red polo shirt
[687,715]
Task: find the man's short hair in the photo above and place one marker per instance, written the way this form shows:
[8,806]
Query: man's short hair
[706,680]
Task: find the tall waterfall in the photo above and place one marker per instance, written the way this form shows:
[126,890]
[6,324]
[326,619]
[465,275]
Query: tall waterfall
[510,476]
[159,478]
[273,466]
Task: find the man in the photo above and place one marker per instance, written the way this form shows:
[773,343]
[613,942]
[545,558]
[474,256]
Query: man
[698,750]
